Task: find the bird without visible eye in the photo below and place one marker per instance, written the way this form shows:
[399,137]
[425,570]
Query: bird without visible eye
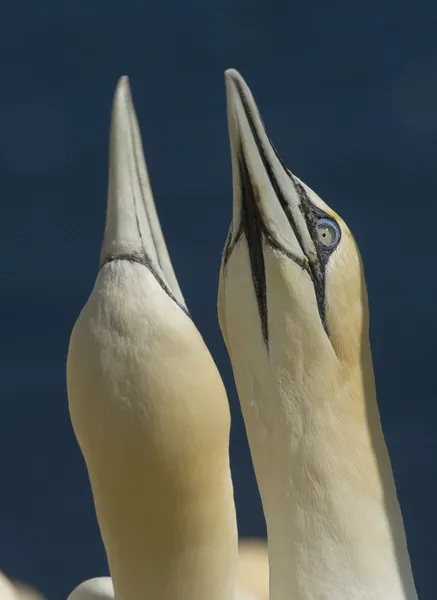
[328,232]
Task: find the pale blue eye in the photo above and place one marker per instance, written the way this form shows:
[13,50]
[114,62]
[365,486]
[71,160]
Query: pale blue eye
[328,232]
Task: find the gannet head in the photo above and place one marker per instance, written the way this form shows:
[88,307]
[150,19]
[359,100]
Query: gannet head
[133,232]
[291,284]
[135,337]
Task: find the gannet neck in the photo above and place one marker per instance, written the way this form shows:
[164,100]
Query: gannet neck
[148,406]
[253,570]
[293,311]
[252,579]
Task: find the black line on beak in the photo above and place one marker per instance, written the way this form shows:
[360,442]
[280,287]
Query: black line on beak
[143,259]
[268,167]
[252,225]
[316,269]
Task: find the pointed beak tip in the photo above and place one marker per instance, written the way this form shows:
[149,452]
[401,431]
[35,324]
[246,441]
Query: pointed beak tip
[232,78]
[123,81]
[232,84]
[237,89]
[123,96]
[230,73]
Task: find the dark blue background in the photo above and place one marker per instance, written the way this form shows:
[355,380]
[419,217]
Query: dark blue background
[349,94]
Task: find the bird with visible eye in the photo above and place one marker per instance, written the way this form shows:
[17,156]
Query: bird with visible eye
[293,311]
[328,233]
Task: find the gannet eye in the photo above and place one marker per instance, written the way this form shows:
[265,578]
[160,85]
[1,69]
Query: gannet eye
[328,232]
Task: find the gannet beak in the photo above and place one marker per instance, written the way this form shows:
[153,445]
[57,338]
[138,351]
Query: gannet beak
[132,227]
[266,195]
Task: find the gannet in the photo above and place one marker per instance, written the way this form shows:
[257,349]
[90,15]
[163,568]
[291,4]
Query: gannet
[149,408]
[7,591]
[98,588]
[252,577]
[293,311]
[16,591]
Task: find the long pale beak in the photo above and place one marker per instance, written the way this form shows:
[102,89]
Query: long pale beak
[261,183]
[133,231]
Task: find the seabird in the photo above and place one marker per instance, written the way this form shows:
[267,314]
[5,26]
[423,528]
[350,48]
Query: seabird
[293,311]
[148,406]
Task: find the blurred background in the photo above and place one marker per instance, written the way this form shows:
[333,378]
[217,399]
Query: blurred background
[348,92]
